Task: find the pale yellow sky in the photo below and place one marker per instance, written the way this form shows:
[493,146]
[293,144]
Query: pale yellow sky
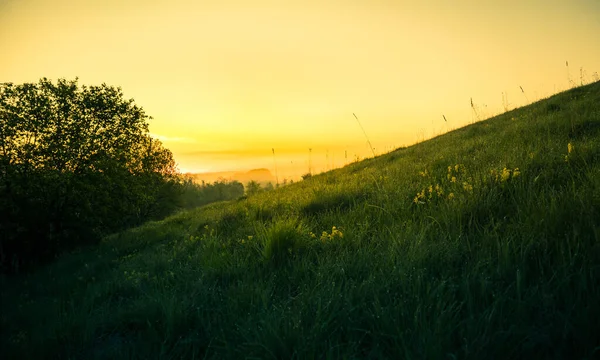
[227,81]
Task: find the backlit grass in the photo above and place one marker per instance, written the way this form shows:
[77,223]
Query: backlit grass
[481,243]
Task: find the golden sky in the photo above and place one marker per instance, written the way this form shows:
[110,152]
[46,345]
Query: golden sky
[228,81]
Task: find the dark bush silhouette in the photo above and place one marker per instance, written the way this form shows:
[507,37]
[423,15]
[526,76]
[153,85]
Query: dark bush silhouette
[76,163]
[306,176]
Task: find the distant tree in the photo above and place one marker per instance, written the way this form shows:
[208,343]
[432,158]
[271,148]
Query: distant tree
[252,188]
[306,176]
[194,195]
[75,163]
[269,186]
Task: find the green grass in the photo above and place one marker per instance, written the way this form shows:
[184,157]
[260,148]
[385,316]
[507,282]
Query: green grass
[500,259]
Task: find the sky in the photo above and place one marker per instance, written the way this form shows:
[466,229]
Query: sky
[237,85]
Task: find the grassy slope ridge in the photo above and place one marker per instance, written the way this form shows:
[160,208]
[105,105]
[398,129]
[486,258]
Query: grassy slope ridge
[481,243]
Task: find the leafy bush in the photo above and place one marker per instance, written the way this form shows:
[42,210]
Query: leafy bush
[75,163]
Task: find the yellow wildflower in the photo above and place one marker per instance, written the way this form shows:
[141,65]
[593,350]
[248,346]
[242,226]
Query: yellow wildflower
[570,148]
[419,197]
[453,179]
[467,187]
[324,236]
[505,174]
[450,196]
[335,233]
[516,172]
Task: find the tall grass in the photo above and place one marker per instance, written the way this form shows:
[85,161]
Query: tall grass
[481,243]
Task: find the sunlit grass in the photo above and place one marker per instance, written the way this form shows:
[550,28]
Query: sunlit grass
[481,243]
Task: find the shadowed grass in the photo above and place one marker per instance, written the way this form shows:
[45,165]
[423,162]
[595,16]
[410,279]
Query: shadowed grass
[481,243]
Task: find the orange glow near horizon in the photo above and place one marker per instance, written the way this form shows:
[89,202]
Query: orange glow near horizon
[227,81]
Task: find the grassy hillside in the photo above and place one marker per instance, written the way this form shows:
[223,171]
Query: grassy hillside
[481,243]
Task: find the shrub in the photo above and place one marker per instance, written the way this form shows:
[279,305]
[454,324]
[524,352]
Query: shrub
[76,163]
[283,240]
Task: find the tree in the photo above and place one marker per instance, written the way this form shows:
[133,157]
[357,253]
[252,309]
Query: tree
[194,195]
[75,163]
[269,186]
[252,188]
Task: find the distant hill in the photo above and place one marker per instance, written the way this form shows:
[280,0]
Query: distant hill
[263,176]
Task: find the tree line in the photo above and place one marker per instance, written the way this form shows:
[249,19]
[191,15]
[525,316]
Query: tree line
[78,163]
